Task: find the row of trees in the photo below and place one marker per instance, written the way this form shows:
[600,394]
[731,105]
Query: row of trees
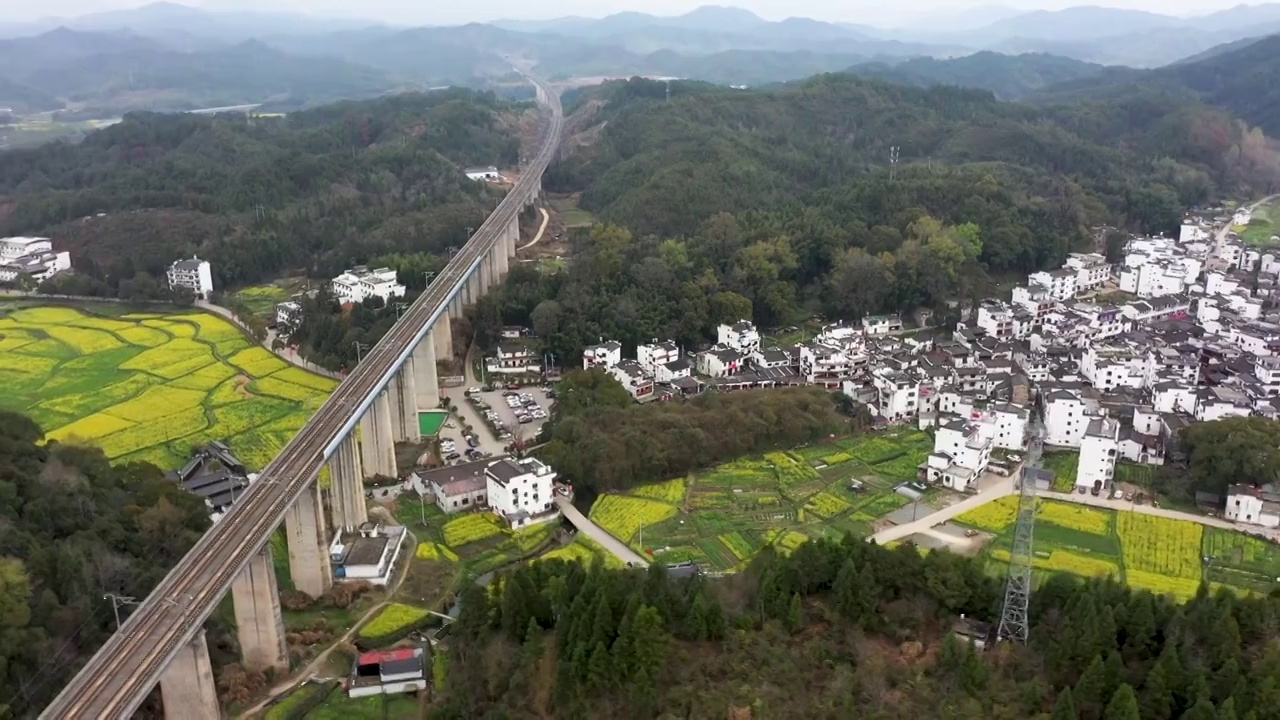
[599,438]
[850,629]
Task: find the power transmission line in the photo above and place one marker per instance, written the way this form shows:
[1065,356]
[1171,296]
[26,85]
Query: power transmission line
[893,162]
[1017,592]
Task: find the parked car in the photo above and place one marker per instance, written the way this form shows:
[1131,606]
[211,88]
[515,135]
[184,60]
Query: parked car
[473,453]
[471,391]
[452,456]
[473,441]
[513,386]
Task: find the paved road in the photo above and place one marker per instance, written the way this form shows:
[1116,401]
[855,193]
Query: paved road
[995,489]
[1005,487]
[115,681]
[597,533]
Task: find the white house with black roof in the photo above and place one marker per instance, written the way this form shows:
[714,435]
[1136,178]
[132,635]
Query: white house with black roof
[521,491]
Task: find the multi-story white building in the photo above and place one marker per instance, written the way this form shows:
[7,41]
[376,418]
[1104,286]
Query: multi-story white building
[488,173]
[898,394]
[1092,270]
[881,324]
[512,359]
[741,336]
[1098,449]
[194,275]
[656,353]
[37,266]
[360,283]
[672,371]
[1067,415]
[521,491]
[961,452]
[16,247]
[634,378]
[605,355]
[1061,284]
[719,362]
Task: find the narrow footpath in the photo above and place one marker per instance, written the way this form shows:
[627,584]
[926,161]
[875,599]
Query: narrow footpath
[597,533]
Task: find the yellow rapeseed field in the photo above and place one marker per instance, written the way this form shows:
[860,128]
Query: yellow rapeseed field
[622,516]
[1160,546]
[150,386]
[258,362]
[671,491]
[1074,517]
[471,528]
[996,516]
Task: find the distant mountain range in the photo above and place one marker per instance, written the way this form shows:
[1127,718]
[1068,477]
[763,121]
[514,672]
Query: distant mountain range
[168,56]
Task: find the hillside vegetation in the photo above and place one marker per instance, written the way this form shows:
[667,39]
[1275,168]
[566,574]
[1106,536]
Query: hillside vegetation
[318,189]
[1243,79]
[75,528]
[1007,76]
[848,629]
[665,166]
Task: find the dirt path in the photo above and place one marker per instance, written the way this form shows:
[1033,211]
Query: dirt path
[542,230]
[310,669]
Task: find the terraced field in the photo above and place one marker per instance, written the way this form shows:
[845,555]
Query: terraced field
[1153,553]
[722,518]
[151,386]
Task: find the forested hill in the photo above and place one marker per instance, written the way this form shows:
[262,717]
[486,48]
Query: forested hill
[75,528]
[1243,79]
[318,189]
[816,154]
[1007,76]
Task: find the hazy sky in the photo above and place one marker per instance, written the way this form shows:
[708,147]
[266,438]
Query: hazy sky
[446,12]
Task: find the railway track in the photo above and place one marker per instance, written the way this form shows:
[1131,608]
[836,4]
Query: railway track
[119,676]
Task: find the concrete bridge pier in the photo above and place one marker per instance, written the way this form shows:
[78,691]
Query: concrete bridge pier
[485,272]
[377,446]
[346,489]
[502,258]
[426,381]
[456,305]
[511,237]
[386,446]
[406,402]
[259,625]
[308,544]
[442,336]
[187,683]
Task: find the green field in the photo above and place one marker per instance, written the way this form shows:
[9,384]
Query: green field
[1264,224]
[337,706]
[722,517]
[429,423]
[151,386]
[479,541]
[1148,552]
[261,300]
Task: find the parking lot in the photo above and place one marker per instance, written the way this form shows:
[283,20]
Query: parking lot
[489,428]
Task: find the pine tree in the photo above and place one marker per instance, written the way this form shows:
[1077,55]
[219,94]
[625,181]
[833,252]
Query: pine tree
[599,673]
[974,672]
[857,593]
[951,655]
[1065,707]
[1115,672]
[1123,705]
[1227,681]
[1090,691]
[794,616]
[717,626]
[1139,628]
[1202,710]
[1161,684]
[1227,710]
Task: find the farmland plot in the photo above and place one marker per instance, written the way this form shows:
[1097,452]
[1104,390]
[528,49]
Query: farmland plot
[148,386]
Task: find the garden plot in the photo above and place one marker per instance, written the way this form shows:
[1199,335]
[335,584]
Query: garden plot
[1163,555]
[723,517]
[150,386]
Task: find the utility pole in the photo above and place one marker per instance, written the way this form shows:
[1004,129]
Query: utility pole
[428,276]
[399,308]
[117,601]
[893,162]
[360,347]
